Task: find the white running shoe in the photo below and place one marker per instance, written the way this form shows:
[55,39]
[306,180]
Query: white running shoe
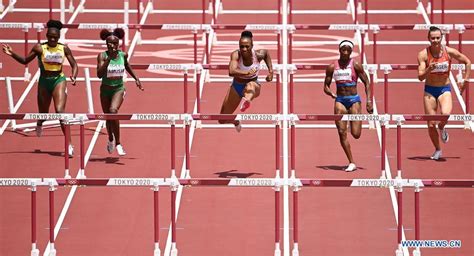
[70,151]
[110,146]
[39,130]
[352,167]
[436,155]
[120,150]
[444,135]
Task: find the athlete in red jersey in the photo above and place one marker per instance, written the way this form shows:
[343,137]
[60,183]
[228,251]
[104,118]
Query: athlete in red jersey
[434,66]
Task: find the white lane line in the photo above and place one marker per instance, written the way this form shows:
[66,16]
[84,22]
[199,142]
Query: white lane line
[71,194]
[179,193]
[379,135]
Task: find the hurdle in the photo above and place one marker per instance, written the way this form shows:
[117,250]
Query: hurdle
[388,68]
[276,183]
[170,118]
[397,183]
[25,27]
[49,116]
[400,119]
[446,28]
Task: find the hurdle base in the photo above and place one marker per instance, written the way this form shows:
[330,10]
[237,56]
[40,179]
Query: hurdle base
[81,174]
[277,249]
[52,251]
[34,250]
[66,174]
[399,251]
[157,251]
[174,250]
[295,251]
[417,252]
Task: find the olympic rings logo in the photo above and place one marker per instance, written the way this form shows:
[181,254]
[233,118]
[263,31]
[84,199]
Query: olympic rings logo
[316,182]
[194,182]
[438,183]
[72,182]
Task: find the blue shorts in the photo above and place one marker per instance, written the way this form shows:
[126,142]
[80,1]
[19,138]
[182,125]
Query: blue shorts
[348,101]
[437,91]
[240,87]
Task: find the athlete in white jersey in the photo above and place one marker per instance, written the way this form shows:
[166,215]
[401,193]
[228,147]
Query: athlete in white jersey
[244,67]
[345,72]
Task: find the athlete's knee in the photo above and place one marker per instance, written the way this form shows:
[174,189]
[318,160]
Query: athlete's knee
[342,133]
[356,135]
[113,110]
[445,111]
[431,124]
[60,109]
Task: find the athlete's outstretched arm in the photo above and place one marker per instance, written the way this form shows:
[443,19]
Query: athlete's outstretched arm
[35,51]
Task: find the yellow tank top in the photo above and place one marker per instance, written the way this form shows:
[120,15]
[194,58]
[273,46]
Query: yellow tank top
[52,58]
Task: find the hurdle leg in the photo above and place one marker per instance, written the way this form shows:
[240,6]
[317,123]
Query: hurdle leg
[277,214]
[417,251]
[34,250]
[66,149]
[11,105]
[174,189]
[52,250]
[157,251]
[82,135]
[399,251]
[295,251]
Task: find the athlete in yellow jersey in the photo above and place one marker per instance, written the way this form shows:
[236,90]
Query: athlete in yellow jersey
[52,82]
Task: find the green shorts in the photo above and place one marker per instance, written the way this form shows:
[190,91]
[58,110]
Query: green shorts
[108,91]
[50,82]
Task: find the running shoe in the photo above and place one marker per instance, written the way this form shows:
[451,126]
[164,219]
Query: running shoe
[436,155]
[120,150]
[238,127]
[245,105]
[444,135]
[39,130]
[110,146]
[352,167]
